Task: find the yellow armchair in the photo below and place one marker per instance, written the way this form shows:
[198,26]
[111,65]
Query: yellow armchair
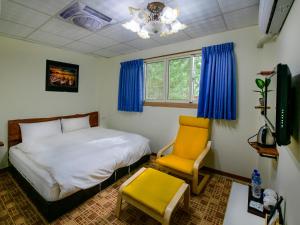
[189,150]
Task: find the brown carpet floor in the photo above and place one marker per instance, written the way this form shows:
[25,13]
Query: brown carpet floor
[208,208]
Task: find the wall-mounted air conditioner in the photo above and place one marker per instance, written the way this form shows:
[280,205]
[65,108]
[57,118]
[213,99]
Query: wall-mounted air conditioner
[272,15]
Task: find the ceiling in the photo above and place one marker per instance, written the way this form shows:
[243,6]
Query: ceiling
[36,21]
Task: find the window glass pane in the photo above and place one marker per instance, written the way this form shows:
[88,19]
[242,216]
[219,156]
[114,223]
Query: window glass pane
[179,78]
[155,81]
[196,77]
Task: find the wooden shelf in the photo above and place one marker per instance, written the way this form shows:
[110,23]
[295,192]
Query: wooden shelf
[266,73]
[262,107]
[265,152]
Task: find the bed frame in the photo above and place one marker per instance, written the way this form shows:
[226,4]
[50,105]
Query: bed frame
[14,131]
[52,210]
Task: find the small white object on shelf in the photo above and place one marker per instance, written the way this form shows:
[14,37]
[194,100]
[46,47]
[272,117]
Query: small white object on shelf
[257,205]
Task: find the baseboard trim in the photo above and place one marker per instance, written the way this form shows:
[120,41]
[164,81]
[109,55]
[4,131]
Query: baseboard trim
[2,170]
[231,175]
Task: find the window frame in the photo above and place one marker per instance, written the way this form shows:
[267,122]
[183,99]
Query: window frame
[165,102]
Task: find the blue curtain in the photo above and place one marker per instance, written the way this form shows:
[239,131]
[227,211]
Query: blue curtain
[131,86]
[217,92]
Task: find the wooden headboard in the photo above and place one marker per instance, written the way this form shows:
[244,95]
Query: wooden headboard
[14,131]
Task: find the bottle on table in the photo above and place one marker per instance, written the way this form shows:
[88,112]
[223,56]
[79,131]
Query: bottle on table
[256,184]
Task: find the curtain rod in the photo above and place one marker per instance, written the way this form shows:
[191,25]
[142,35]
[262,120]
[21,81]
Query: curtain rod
[177,53]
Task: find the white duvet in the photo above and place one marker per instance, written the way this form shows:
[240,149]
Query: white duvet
[84,158]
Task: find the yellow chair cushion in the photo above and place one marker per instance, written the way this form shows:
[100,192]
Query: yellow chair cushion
[194,121]
[174,162]
[190,142]
[154,189]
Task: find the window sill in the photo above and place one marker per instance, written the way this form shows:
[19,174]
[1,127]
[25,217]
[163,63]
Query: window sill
[172,105]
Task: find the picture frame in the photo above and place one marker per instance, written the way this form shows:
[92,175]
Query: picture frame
[61,76]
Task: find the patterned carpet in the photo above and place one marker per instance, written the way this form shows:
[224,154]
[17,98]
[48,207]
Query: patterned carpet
[206,209]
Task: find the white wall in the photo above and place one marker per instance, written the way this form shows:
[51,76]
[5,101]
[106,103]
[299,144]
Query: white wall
[284,176]
[22,84]
[231,152]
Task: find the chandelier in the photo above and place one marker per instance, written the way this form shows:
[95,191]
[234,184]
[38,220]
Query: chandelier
[156,19]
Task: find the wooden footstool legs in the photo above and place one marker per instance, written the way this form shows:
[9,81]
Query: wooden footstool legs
[163,215]
[119,205]
[184,192]
[119,200]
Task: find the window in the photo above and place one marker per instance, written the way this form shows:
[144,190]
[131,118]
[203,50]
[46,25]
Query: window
[173,79]
[155,81]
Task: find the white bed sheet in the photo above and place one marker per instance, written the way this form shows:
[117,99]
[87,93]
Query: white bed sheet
[38,177]
[49,184]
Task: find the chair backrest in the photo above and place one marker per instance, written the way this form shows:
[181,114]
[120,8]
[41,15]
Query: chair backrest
[192,137]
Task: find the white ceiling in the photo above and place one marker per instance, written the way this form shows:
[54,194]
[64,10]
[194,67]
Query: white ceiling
[36,21]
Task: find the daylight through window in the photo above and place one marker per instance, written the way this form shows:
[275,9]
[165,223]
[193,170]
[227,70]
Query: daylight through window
[173,79]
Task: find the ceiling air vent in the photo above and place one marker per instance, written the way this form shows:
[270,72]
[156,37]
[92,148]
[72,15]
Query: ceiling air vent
[84,16]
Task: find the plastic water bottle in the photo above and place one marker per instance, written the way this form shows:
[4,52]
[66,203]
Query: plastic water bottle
[256,184]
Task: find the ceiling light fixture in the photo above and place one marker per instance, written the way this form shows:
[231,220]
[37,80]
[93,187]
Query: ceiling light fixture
[156,19]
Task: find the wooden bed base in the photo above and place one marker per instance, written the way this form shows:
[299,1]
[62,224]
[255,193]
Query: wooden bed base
[52,210]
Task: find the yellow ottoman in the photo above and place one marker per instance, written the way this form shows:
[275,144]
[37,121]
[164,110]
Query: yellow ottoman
[155,193]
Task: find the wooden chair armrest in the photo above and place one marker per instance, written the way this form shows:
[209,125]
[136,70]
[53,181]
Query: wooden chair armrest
[201,157]
[165,148]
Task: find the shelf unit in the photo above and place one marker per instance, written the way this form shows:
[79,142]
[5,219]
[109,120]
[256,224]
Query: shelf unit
[269,152]
[265,152]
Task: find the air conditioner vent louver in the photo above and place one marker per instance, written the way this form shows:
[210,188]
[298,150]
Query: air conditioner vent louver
[272,15]
[84,16]
[87,22]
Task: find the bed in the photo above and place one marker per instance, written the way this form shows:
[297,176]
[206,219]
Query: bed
[56,184]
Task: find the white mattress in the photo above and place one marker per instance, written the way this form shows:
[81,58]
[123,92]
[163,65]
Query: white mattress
[59,166]
[39,178]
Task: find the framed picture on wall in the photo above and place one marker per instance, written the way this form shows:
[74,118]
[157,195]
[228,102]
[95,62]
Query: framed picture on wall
[61,76]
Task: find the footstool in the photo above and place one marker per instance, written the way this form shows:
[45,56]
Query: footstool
[155,193]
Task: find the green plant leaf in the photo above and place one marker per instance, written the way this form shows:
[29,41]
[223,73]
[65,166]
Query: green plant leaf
[260,83]
[268,81]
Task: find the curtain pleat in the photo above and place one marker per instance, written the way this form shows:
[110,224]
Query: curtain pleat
[131,86]
[217,90]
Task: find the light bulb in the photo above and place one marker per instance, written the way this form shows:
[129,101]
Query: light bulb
[169,15]
[177,26]
[132,25]
[138,15]
[143,33]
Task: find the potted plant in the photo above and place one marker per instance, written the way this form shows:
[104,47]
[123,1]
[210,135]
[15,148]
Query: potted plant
[261,84]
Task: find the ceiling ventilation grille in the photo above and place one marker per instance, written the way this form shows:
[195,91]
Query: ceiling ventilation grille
[84,16]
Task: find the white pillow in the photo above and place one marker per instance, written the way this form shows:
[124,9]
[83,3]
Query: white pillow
[75,124]
[33,131]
